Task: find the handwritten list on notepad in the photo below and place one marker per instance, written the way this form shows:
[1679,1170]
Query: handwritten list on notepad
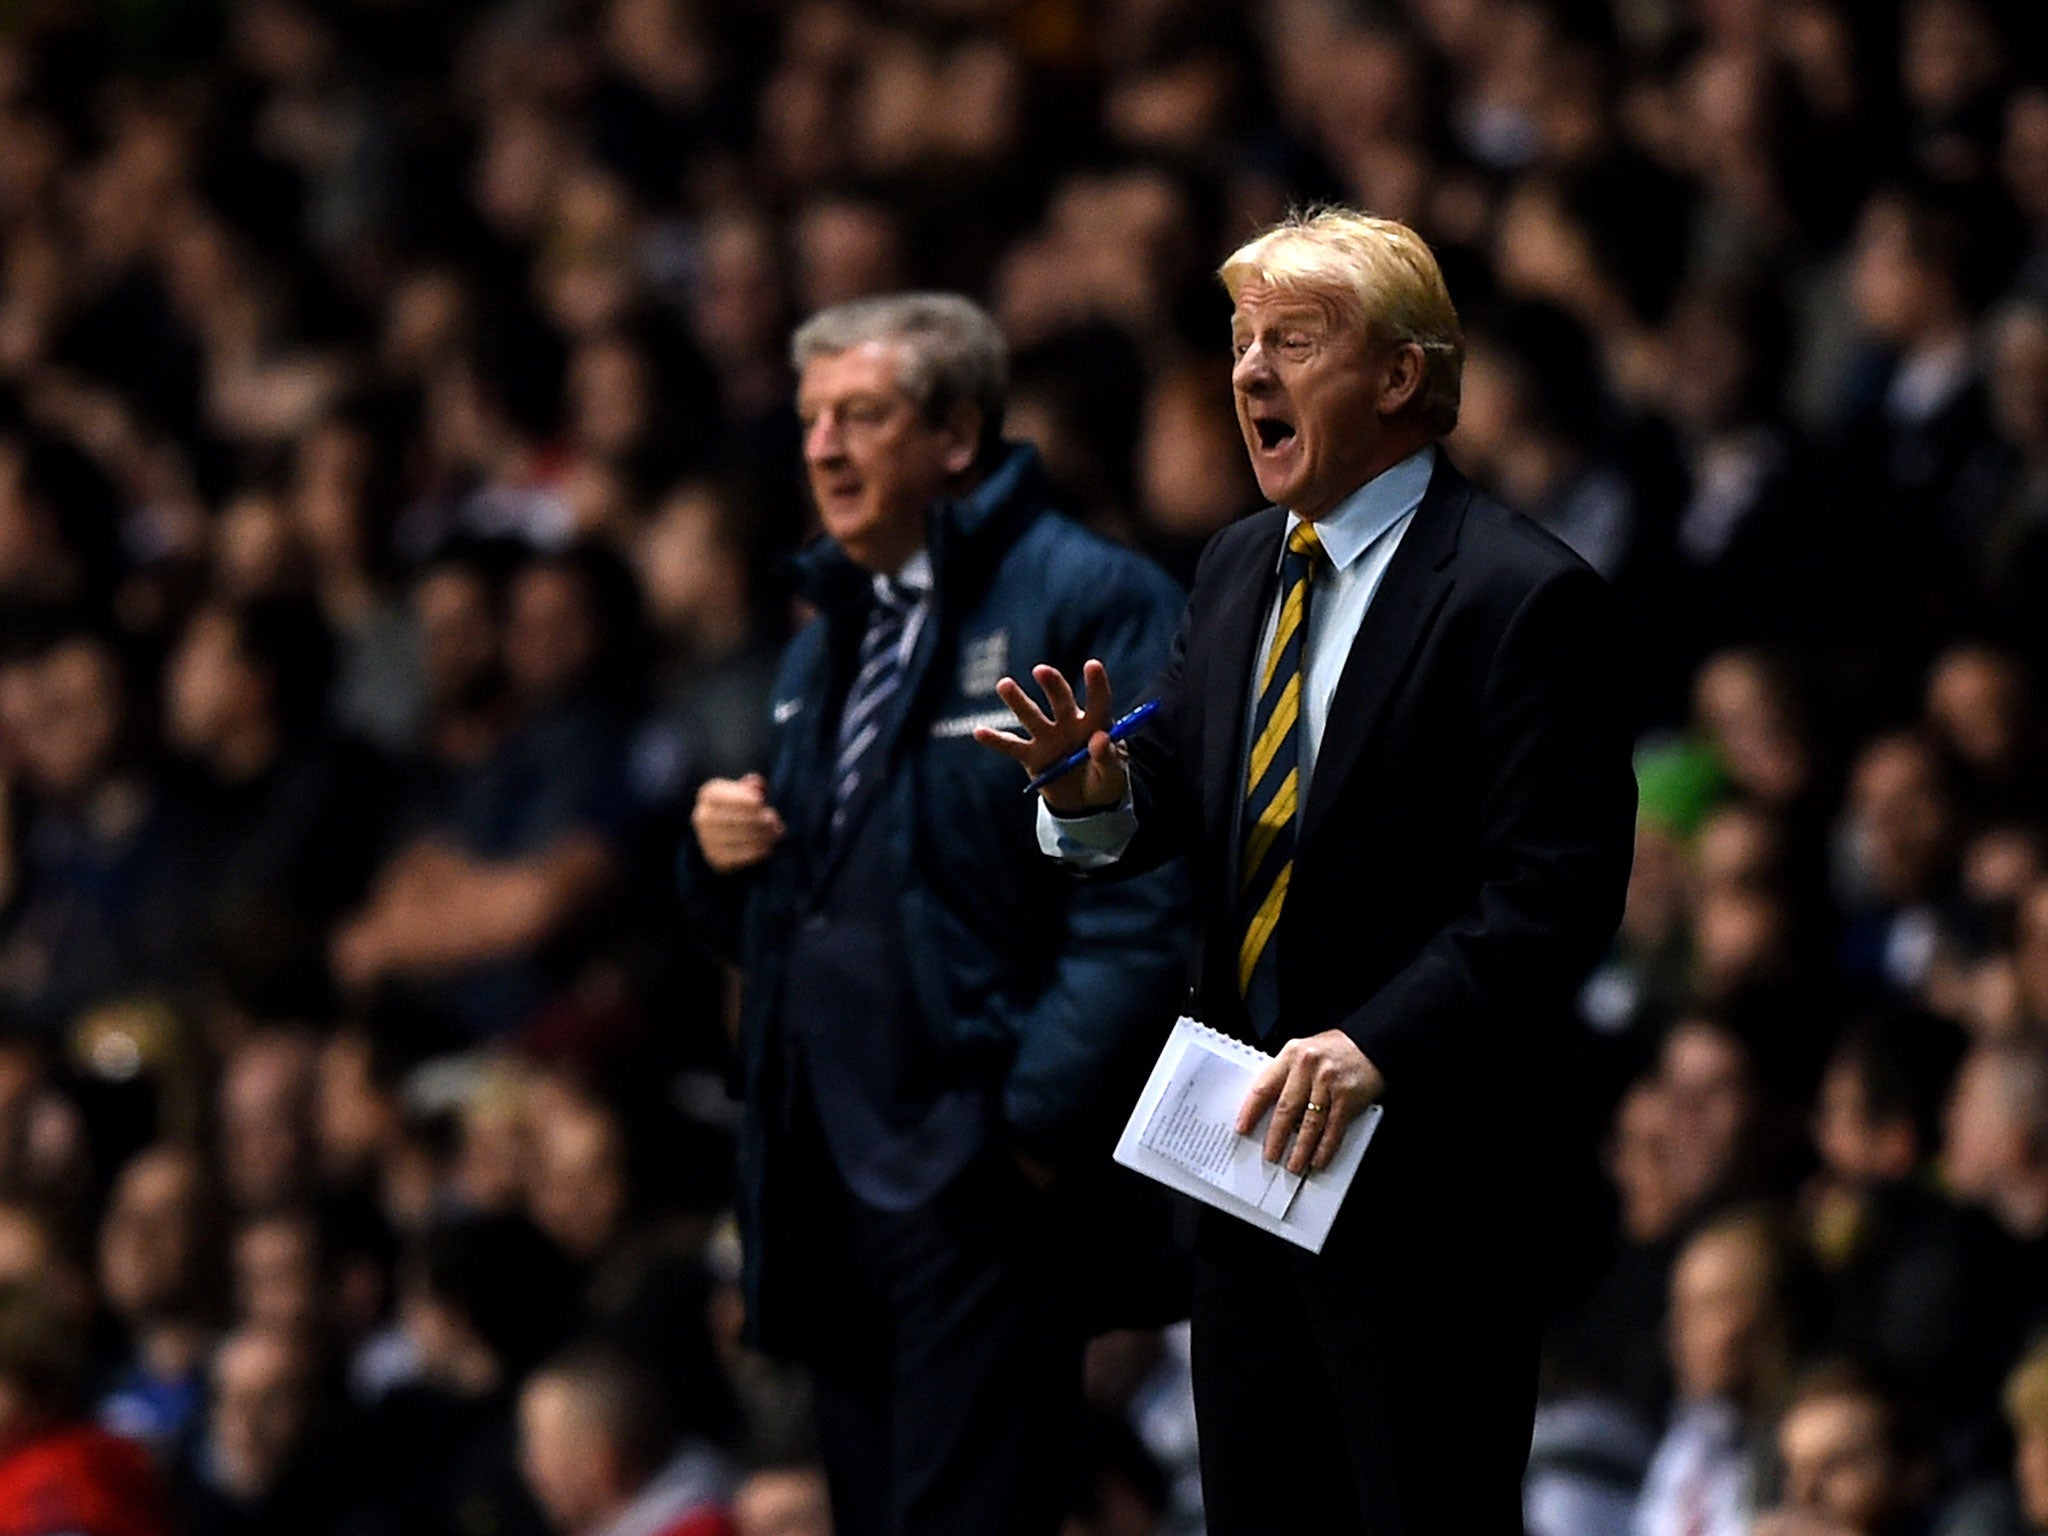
[1195,1124]
[1183,1132]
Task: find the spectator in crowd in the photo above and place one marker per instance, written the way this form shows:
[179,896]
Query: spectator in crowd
[1528,425]
[1631,996]
[1917,1284]
[1628,1312]
[2004,492]
[693,564]
[522,846]
[90,911]
[358,1118]
[1587,1460]
[2030,952]
[278,1274]
[2026,1414]
[159,1248]
[1852,1462]
[267,1464]
[597,1446]
[483,1299]
[57,1471]
[29,1252]
[1747,560]
[1916,413]
[1190,465]
[457,606]
[43,1139]
[59,546]
[1709,1081]
[343,482]
[266,1119]
[1978,710]
[579,1186]
[1995,1154]
[274,817]
[1731,1343]
[783,1500]
[1902,844]
[1749,711]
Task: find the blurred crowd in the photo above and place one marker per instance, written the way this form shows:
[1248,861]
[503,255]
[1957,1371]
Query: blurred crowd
[397,472]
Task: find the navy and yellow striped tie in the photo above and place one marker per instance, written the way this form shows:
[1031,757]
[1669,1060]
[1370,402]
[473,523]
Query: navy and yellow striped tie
[1272,792]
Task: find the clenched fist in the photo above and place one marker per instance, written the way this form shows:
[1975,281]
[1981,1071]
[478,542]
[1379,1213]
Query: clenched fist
[735,825]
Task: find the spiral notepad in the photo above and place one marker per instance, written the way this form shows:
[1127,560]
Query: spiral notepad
[1183,1133]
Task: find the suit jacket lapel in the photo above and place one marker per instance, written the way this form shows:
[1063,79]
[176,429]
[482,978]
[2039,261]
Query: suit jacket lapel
[1410,596]
[1233,639]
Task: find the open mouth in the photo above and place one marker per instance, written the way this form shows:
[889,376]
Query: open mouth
[1272,432]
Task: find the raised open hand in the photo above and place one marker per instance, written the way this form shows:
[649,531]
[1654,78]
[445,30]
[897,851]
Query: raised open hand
[1064,727]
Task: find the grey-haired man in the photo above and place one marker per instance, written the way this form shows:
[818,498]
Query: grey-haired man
[933,1010]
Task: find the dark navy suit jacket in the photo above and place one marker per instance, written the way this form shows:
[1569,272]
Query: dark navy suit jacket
[1043,987]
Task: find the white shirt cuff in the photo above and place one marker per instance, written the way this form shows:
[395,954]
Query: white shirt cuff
[1088,842]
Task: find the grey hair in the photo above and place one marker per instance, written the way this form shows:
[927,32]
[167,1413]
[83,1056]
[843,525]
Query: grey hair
[953,352]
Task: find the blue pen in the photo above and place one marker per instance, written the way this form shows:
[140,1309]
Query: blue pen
[1076,758]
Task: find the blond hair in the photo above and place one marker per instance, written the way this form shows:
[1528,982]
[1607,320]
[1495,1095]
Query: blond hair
[1384,272]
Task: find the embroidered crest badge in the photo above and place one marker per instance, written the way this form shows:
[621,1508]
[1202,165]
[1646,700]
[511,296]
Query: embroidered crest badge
[984,659]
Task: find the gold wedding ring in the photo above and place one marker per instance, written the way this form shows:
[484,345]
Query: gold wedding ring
[1312,1108]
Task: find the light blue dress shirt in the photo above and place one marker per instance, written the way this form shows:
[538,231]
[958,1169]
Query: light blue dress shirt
[1359,539]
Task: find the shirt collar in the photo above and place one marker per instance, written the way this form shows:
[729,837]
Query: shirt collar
[1369,511]
[913,577]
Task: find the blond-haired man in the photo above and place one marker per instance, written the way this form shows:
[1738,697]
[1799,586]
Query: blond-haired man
[1392,741]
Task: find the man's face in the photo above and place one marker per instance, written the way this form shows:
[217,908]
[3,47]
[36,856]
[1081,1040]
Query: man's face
[147,1239]
[1308,382]
[564,1462]
[578,1191]
[277,1273]
[262,1401]
[212,689]
[1901,818]
[1981,1145]
[1719,1309]
[1837,1465]
[266,1102]
[1639,1161]
[1707,1085]
[1887,282]
[551,634]
[783,1501]
[459,634]
[875,463]
[1857,1146]
[2030,1474]
[77,719]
